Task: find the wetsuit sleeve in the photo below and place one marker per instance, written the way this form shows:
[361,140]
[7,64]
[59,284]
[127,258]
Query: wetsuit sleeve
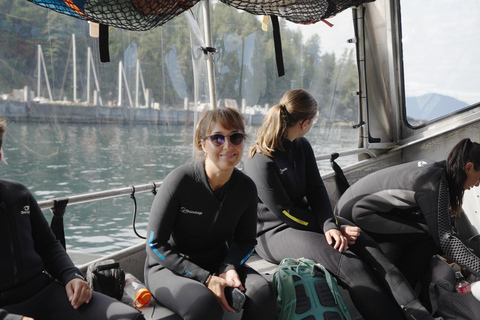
[4,315]
[271,192]
[160,227]
[439,224]
[317,195]
[55,259]
[244,238]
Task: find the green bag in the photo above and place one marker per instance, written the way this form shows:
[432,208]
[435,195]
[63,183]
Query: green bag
[306,290]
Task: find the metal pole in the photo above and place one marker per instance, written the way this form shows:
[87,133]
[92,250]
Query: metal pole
[120,67]
[74,49]
[137,83]
[89,59]
[208,44]
[39,70]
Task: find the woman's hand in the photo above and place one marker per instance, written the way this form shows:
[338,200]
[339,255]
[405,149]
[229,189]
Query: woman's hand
[232,276]
[78,292]
[217,284]
[334,235]
[351,233]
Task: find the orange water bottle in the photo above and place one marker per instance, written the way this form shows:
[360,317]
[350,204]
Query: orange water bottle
[137,291]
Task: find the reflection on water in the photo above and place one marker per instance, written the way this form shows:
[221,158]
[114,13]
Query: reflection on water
[58,160]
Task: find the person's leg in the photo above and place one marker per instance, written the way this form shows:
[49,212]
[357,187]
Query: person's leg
[52,304]
[368,295]
[389,276]
[261,297]
[188,298]
[415,255]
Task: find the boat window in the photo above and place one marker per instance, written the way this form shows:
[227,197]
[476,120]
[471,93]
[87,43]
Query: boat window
[77,125]
[441,46]
[318,57]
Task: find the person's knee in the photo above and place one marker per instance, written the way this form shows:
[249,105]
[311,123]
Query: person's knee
[354,272]
[205,307]
[261,302]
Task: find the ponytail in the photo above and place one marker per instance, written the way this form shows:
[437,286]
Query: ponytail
[295,105]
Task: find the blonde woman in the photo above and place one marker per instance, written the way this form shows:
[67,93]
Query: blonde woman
[202,229]
[295,218]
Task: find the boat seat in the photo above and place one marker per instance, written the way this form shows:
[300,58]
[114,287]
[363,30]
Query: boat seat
[129,258]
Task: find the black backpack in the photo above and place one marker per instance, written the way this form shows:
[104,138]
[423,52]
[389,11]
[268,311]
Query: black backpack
[439,291]
[106,277]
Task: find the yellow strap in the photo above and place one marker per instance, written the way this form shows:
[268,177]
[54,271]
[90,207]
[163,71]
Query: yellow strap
[305,223]
[265,23]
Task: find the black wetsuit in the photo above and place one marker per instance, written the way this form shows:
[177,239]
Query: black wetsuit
[294,212]
[194,232]
[407,205]
[27,249]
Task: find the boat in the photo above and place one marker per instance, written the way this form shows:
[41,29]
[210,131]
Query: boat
[416,93]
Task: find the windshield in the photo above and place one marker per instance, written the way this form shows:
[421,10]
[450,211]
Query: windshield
[77,125]
[441,46]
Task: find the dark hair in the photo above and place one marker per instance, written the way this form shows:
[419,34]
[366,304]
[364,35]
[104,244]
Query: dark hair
[3,128]
[228,117]
[295,105]
[463,152]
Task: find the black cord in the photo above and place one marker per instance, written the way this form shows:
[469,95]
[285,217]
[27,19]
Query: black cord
[132,196]
[154,188]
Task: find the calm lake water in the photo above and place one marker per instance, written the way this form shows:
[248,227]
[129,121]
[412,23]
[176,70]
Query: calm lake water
[60,160]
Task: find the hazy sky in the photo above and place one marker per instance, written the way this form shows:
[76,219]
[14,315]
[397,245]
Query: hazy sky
[442,47]
[332,39]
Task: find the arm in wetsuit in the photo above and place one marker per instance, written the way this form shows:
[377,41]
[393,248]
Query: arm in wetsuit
[292,189]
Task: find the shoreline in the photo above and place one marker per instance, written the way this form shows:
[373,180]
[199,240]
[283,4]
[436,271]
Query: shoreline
[81,113]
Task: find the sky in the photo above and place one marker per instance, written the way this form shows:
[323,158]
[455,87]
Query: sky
[333,39]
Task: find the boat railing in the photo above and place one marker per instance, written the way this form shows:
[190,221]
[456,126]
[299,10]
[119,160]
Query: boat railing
[345,153]
[58,205]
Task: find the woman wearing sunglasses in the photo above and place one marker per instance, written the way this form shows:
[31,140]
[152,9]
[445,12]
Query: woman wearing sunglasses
[202,227]
[295,218]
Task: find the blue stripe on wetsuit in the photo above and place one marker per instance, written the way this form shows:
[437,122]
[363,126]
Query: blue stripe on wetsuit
[246,257]
[155,250]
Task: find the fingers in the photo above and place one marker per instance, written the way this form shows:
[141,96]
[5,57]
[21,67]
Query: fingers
[336,238]
[78,292]
[351,233]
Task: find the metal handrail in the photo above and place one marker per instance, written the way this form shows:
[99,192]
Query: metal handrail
[100,195]
[347,153]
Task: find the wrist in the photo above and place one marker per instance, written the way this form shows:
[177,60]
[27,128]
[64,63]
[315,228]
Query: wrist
[207,282]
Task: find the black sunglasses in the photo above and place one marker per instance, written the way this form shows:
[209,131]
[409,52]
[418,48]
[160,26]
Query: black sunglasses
[219,139]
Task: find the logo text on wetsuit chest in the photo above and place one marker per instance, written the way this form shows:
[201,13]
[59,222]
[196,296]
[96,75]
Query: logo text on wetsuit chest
[187,211]
[25,210]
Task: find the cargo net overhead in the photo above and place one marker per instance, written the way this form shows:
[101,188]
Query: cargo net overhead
[138,15]
[297,11]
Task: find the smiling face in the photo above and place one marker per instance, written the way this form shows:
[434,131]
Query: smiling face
[473,176]
[222,158]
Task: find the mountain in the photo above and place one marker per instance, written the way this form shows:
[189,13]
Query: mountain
[432,106]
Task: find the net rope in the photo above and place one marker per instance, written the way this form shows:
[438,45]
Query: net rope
[141,15]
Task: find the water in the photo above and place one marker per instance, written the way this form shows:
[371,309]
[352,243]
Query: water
[58,160]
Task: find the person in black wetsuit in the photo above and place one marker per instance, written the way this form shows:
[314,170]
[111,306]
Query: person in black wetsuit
[295,218]
[201,229]
[28,251]
[410,205]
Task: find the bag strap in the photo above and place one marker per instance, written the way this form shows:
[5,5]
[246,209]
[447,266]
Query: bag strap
[107,266]
[331,281]
[282,280]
